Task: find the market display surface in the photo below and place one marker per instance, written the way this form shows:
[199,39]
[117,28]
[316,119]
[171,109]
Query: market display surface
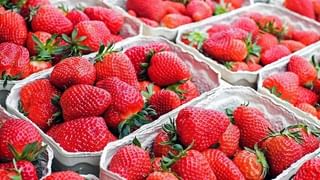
[130,89]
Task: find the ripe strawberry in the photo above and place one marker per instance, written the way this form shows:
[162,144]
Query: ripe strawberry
[292,45]
[218,27]
[222,166]
[274,53]
[89,134]
[72,71]
[306,37]
[252,124]
[2,10]
[167,68]
[254,67]
[235,3]
[51,20]
[36,66]
[266,41]
[32,45]
[76,16]
[305,95]
[246,24]
[270,24]
[252,163]
[29,5]
[199,10]
[8,174]
[233,32]
[175,7]
[186,91]
[306,72]
[26,140]
[236,66]
[80,101]
[308,108]
[175,20]
[115,64]
[309,170]
[113,19]
[161,176]
[131,162]
[149,22]
[201,127]
[140,54]
[64,175]
[283,85]
[148,89]
[28,170]
[13,28]
[154,9]
[156,164]
[164,101]
[194,39]
[256,16]
[159,147]
[229,141]
[304,7]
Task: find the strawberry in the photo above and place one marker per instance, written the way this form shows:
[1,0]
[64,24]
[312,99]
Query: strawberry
[305,95]
[51,20]
[221,165]
[167,68]
[256,16]
[308,108]
[292,45]
[229,141]
[254,67]
[303,7]
[236,66]
[76,16]
[72,71]
[132,13]
[283,85]
[111,18]
[274,53]
[22,144]
[252,124]
[175,20]
[8,174]
[2,10]
[164,101]
[89,134]
[140,54]
[131,162]
[306,72]
[199,10]
[64,175]
[161,176]
[246,24]
[252,163]
[36,66]
[148,89]
[160,148]
[32,45]
[266,41]
[154,9]
[218,27]
[233,32]
[80,101]
[309,170]
[156,164]
[194,39]
[175,7]
[201,127]
[271,24]
[115,64]
[306,37]
[235,3]
[149,22]
[186,91]
[13,28]
[28,170]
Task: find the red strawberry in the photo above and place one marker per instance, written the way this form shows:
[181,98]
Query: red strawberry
[80,101]
[113,19]
[305,95]
[254,67]
[292,45]
[76,16]
[218,27]
[246,24]
[64,175]
[235,3]
[308,108]
[154,9]
[131,162]
[306,72]
[283,85]
[194,39]
[303,7]
[32,45]
[274,53]
[13,28]
[72,71]
[51,20]
[115,64]
[156,164]
[146,87]
[270,24]
[140,54]
[186,91]
[175,20]
[8,174]
[200,126]
[309,170]
[306,37]
[266,41]
[159,148]
[164,101]
[256,16]
[30,4]
[175,7]
[252,124]
[167,68]
[236,66]
[28,170]
[36,66]
[149,22]
[252,163]
[222,166]
[229,141]
[199,10]
[89,134]
[21,141]
[161,176]
[234,33]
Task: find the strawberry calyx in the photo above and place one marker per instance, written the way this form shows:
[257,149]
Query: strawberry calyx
[176,88]
[57,116]
[6,77]
[16,175]
[309,130]
[74,47]
[46,51]
[229,113]
[33,11]
[316,64]
[63,8]
[136,142]
[16,7]
[272,28]
[222,8]
[181,1]
[148,92]
[253,48]
[170,130]
[261,159]
[29,153]
[195,38]
[104,50]
[20,109]
[296,135]
[274,91]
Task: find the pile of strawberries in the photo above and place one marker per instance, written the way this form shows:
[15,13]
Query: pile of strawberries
[309,170]
[205,145]
[173,13]
[308,8]
[250,41]
[299,86]
[35,35]
[84,106]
